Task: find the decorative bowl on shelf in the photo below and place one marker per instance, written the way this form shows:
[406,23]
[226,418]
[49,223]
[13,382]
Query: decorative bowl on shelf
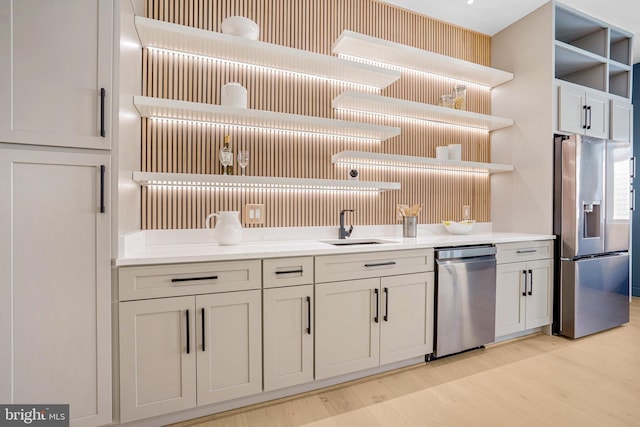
[462,227]
[241,27]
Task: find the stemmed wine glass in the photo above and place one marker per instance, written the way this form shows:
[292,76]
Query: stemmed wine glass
[243,159]
[226,158]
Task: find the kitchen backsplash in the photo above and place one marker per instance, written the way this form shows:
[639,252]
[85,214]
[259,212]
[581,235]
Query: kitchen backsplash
[310,25]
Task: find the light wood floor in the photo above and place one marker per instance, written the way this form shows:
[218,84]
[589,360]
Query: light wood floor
[534,381]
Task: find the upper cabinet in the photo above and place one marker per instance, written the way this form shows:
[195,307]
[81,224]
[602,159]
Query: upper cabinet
[591,53]
[55,73]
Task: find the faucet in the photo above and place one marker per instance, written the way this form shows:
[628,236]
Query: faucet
[343,233]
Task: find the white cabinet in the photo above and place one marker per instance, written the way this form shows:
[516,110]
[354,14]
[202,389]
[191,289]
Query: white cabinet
[55,287]
[288,314]
[368,321]
[523,288]
[180,352]
[55,72]
[583,111]
[621,121]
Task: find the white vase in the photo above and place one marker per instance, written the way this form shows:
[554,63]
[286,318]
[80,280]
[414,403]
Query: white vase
[233,95]
[228,229]
[241,27]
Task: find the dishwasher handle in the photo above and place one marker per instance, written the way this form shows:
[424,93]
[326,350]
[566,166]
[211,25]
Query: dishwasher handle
[484,259]
[465,252]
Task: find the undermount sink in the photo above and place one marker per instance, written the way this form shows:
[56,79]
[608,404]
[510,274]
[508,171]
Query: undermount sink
[347,242]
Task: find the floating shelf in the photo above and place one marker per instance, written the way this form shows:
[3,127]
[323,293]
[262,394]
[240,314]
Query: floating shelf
[194,41]
[259,182]
[383,105]
[168,109]
[363,158]
[391,54]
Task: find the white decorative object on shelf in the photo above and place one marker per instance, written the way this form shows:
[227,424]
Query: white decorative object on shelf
[228,229]
[240,26]
[258,119]
[187,40]
[386,106]
[442,153]
[355,45]
[233,95]
[259,182]
[455,152]
[365,158]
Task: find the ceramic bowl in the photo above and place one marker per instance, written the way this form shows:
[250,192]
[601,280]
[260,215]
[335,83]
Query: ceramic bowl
[462,227]
[241,27]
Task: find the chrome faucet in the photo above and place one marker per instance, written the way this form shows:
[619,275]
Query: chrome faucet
[343,233]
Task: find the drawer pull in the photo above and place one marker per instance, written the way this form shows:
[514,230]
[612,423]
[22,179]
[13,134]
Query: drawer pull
[380,264]
[300,271]
[526,251]
[190,279]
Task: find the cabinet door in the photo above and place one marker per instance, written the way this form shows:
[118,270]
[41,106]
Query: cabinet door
[55,284]
[157,357]
[288,336]
[621,121]
[406,329]
[54,60]
[229,345]
[510,301]
[598,115]
[347,326]
[571,114]
[538,311]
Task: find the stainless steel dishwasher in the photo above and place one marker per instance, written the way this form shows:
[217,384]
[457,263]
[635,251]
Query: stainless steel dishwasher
[465,298]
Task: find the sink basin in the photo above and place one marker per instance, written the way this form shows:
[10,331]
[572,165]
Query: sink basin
[349,242]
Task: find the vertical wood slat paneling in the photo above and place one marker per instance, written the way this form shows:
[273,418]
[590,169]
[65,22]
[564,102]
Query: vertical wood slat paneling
[310,25]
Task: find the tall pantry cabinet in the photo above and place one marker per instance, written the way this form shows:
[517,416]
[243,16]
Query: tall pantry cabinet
[55,205]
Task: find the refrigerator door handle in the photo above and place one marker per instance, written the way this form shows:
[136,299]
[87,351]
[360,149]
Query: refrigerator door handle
[633,199]
[633,167]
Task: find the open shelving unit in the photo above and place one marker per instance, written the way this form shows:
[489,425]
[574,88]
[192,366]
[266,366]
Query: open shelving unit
[194,41]
[363,158]
[259,182]
[168,109]
[387,106]
[390,54]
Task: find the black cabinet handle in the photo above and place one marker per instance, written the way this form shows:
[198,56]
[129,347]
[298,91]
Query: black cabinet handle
[309,315]
[524,293]
[530,282]
[188,341]
[584,108]
[103,169]
[589,113]
[377,293]
[202,324]
[526,251]
[189,279]
[103,94]
[289,271]
[380,264]
[386,304]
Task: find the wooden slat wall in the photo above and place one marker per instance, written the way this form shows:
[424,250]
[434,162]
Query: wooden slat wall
[311,25]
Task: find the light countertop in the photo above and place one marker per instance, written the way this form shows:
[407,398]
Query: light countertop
[180,246]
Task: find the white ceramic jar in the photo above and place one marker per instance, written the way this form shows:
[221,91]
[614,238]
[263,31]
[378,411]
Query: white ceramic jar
[241,27]
[233,95]
[455,152]
[228,229]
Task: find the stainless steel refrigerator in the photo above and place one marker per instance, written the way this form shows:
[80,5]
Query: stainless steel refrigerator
[592,213]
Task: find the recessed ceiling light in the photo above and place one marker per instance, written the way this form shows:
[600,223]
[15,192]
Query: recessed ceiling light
[469,1]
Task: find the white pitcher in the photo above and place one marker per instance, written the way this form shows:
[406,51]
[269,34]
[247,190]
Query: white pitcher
[228,229]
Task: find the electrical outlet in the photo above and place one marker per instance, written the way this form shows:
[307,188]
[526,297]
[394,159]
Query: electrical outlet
[466,212]
[398,208]
[254,213]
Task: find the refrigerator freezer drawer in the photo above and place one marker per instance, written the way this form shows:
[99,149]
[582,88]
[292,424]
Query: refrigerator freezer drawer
[595,294]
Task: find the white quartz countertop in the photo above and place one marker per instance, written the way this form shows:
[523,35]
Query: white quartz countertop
[166,247]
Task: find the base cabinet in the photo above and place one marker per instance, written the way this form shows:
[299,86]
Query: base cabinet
[363,323]
[55,281]
[177,353]
[523,296]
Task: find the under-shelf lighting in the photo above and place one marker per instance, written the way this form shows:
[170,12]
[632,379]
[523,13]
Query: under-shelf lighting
[262,67]
[266,128]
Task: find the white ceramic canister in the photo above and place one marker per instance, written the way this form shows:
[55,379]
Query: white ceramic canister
[455,151]
[228,229]
[442,153]
[233,95]
[240,26]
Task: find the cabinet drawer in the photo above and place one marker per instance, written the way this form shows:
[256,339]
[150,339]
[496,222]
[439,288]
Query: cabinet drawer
[332,268]
[287,272]
[523,251]
[187,279]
